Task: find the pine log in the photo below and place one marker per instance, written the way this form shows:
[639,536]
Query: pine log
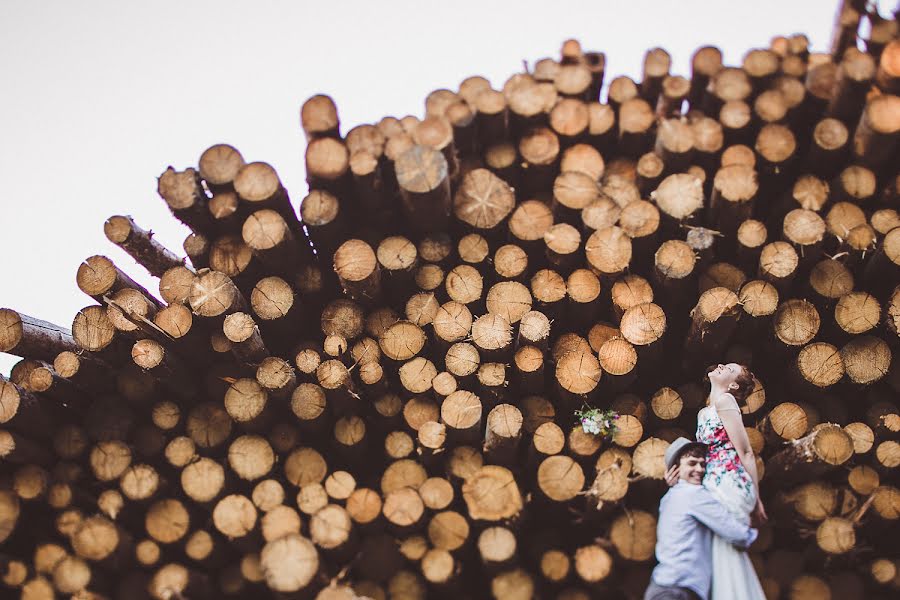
[827,447]
[422,174]
[32,338]
[876,134]
[98,277]
[139,243]
[219,165]
[184,195]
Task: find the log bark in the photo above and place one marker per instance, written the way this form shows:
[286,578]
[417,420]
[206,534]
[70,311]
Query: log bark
[185,198]
[140,245]
[423,177]
[28,337]
[825,448]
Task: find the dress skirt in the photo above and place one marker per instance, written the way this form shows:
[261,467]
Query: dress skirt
[733,575]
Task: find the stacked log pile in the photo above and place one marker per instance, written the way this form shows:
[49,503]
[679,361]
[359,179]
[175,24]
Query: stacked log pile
[370,392]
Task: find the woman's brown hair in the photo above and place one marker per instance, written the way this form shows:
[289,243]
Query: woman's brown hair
[744,381]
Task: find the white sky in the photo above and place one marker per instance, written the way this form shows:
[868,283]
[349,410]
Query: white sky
[98,98]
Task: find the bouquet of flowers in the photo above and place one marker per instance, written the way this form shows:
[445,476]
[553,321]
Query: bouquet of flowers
[596,421]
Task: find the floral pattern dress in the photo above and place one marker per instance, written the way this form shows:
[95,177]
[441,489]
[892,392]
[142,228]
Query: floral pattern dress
[725,477]
[733,574]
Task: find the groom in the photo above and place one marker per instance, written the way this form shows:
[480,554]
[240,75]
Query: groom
[688,516]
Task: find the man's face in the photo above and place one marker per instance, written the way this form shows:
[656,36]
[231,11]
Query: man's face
[691,469]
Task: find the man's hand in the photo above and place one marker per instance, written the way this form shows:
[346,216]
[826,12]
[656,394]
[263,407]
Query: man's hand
[759,516]
[672,475]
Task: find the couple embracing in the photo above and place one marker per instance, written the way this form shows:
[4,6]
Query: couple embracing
[704,519]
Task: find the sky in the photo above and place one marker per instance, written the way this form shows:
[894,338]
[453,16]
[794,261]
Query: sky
[99,97]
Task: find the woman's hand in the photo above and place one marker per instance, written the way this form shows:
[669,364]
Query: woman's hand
[672,475]
[759,515]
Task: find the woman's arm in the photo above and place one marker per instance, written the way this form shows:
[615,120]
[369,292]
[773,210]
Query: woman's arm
[730,415]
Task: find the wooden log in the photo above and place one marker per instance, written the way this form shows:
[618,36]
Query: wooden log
[714,319]
[734,192]
[243,333]
[267,234]
[750,239]
[621,89]
[32,338]
[736,118]
[650,168]
[609,251]
[44,380]
[761,65]
[327,164]
[574,81]
[876,134]
[786,422]
[854,77]
[131,312]
[775,147]
[18,449]
[629,291]
[502,159]
[184,195]
[881,269]
[511,263]
[492,117]
[727,84]
[219,165]
[674,144]
[436,132]
[319,118]
[866,359]
[175,284]
[778,263]
[825,448]
[857,313]
[888,73]
[705,62]
[290,563]
[569,119]
[140,245]
[98,277]
[464,285]
[828,147]
[820,78]
[229,255]
[675,90]
[674,269]
[679,197]
[503,433]
[23,411]
[422,174]
[214,295]
[529,222]
[644,325]
[539,148]
[323,215]
[769,107]
[203,481]
[572,191]
[805,231]
[225,210]
[635,118]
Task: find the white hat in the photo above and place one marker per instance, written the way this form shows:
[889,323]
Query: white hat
[677,448]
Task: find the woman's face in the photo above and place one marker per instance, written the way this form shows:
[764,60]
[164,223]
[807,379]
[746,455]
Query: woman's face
[725,375]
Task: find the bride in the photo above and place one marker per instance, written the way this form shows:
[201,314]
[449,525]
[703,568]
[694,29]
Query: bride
[731,477]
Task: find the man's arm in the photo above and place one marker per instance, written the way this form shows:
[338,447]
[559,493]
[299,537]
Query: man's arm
[710,512]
